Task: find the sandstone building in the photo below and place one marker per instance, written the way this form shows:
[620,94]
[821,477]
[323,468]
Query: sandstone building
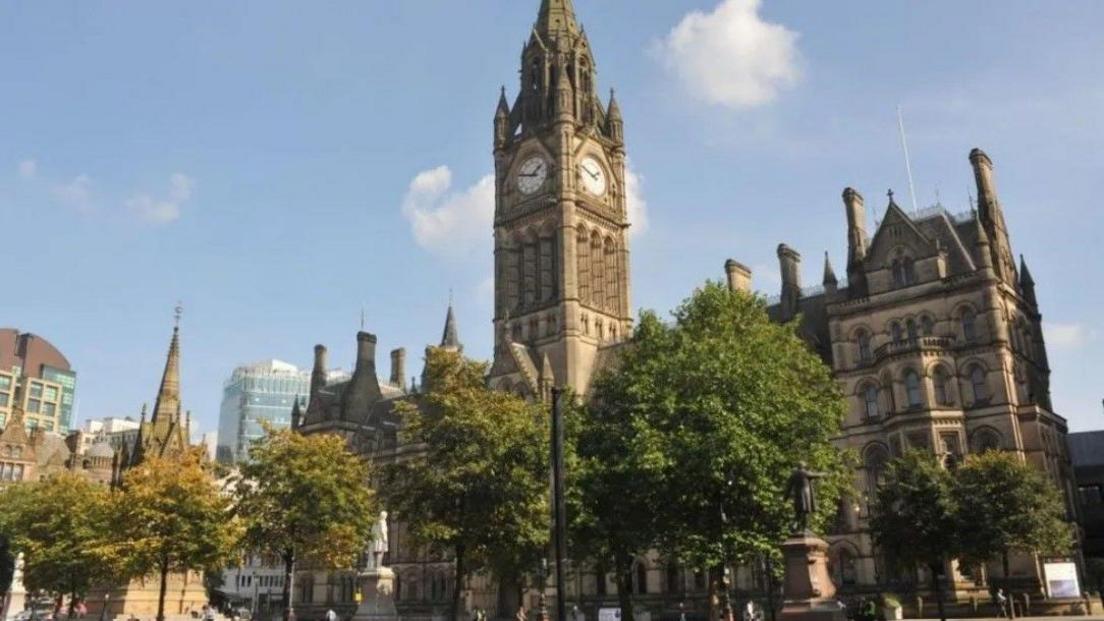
[933,332]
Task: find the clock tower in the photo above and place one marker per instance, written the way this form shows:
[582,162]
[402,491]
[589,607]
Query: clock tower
[561,247]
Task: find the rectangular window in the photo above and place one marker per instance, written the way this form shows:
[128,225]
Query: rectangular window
[4,399]
[5,382]
[34,405]
[1091,495]
[49,409]
[51,393]
[36,390]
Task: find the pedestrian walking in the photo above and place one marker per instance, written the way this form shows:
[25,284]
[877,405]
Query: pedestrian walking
[331,615]
[1002,603]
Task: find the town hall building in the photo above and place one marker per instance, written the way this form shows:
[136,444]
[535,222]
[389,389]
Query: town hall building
[933,333]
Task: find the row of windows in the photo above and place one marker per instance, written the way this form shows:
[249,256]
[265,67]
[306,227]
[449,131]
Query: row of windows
[12,450]
[11,472]
[872,393]
[262,581]
[911,329]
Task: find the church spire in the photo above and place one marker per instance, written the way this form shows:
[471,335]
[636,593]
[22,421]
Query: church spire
[556,17]
[450,338]
[167,406]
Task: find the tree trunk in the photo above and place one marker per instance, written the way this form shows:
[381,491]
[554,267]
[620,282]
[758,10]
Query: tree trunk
[624,586]
[163,590]
[289,583]
[59,601]
[458,583]
[938,584]
[72,603]
[1004,567]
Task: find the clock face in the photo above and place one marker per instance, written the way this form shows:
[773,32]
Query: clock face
[593,175]
[531,175]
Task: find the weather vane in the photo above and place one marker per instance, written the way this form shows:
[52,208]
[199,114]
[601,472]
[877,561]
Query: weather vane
[178,310]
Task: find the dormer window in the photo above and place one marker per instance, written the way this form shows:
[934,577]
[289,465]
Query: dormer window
[904,272]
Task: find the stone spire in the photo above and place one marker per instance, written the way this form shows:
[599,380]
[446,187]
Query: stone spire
[556,17]
[167,406]
[1027,283]
[296,415]
[450,339]
[829,273]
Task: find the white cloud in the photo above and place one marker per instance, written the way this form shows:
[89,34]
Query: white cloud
[1067,335]
[76,193]
[166,210]
[28,169]
[447,222]
[637,205]
[731,57]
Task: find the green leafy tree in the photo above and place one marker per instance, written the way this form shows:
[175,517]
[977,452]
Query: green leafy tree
[914,517]
[615,476]
[172,517]
[478,485]
[1005,504]
[61,525]
[710,415]
[305,498]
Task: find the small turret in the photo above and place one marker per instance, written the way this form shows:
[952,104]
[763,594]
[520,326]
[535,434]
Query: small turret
[450,337]
[615,124]
[1027,283]
[564,97]
[856,227]
[831,283]
[296,415]
[363,389]
[502,121]
[790,263]
[547,379]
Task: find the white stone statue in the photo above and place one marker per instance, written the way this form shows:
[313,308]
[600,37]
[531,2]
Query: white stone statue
[379,541]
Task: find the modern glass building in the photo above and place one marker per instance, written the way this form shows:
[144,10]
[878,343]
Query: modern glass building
[255,394]
[37,375]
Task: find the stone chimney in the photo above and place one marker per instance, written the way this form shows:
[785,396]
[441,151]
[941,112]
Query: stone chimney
[790,264]
[739,276]
[398,368]
[318,374]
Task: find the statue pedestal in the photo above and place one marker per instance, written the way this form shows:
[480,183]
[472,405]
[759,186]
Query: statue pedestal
[808,591]
[16,597]
[377,589]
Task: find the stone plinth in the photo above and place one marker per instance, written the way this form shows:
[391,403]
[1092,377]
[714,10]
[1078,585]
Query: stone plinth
[808,592]
[377,589]
[16,597]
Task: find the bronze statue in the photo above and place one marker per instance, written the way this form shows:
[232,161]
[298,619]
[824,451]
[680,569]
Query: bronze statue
[800,489]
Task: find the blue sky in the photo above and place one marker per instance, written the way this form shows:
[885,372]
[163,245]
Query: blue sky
[255,160]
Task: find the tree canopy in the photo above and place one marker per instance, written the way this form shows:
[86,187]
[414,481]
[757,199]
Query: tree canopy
[62,526]
[691,439]
[173,517]
[305,497]
[476,480]
[1005,504]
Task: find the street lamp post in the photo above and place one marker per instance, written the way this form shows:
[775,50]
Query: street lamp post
[559,507]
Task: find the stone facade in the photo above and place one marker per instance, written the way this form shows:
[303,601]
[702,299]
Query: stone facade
[936,340]
[935,337]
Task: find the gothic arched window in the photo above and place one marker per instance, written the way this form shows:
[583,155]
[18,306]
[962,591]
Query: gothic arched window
[939,383]
[897,331]
[865,354]
[912,389]
[674,577]
[911,328]
[875,460]
[927,326]
[969,326]
[870,402]
[641,579]
[979,385]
